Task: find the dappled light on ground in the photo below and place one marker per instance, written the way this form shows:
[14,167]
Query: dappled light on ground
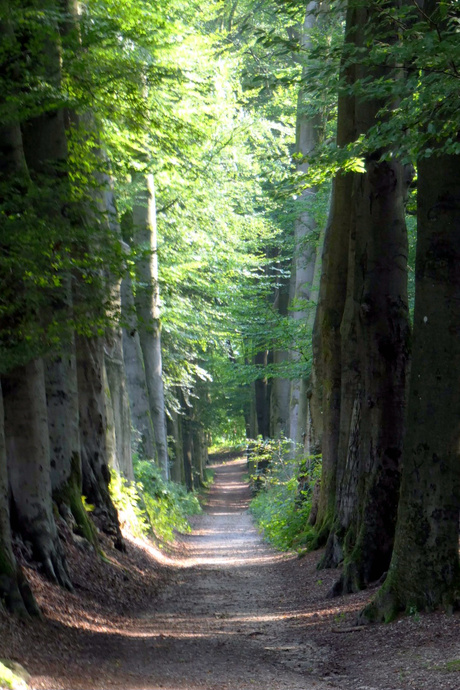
[230,614]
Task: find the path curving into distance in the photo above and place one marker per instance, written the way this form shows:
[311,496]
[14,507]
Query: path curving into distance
[224,623]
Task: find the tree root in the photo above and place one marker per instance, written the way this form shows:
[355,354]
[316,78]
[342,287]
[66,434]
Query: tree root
[51,556]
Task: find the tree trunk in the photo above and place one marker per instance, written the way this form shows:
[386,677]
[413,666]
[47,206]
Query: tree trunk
[281,387]
[305,237]
[424,572]
[114,361]
[187,444]
[175,433]
[116,381]
[93,421]
[64,438]
[262,397]
[144,439]
[37,150]
[15,593]
[28,453]
[199,454]
[375,336]
[147,305]
[327,337]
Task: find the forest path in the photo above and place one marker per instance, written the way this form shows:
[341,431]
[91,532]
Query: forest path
[226,613]
[226,620]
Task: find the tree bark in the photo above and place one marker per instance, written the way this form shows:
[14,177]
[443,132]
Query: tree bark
[375,337]
[147,306]
[15,592]
[175,432]
[305,237]
[37,151]
[144,439]
[424,572]
[116,381]
[262,396]
[28,453]
[281,387]
[327,336]
[93,421]
[187,443]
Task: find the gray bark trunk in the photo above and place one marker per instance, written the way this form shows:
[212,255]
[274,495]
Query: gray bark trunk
[199,454]
[37,151]
[281,387]
[147,305]
[121,418]
[28,453]
[327,336]
[93,421]
[114,362]
[305,237]
[144,438]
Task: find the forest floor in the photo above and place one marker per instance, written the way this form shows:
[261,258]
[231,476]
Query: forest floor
[221,611]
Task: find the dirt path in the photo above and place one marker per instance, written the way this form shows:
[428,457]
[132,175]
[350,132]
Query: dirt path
[225,613]
[224,622]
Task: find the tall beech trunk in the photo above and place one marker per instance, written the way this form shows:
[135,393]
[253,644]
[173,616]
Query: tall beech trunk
[15,593]
[148,308]
[117,385]
[36,151]
[64,437]
[281,387]
[175,432]
[186,425]
[28,453]
[114,357]
[375,336]
[200,454]
[187,444]
[424,572]
[121,417]
[262,397]
[93,421]
[327,337]
[46,151]
[139,406]
[308,128]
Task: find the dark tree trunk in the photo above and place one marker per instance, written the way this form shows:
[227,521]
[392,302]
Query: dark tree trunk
[424,572]
[374,358]
[262,397]
[28,453]
[15,593]
[175,433]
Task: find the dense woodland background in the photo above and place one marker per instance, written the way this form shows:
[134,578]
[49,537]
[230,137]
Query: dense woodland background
[227,220]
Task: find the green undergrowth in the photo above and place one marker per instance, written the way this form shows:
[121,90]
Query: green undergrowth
[224,451]
[152,505]
[10,678]
[282,504]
